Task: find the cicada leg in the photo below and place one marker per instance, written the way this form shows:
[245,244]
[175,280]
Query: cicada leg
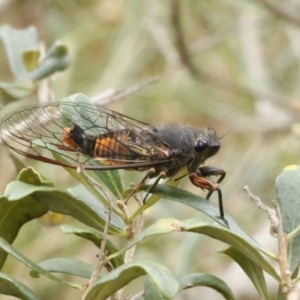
[149,174]
[200,179]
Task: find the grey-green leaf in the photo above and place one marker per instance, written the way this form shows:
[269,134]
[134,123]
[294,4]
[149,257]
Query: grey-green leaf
[18,89]
[56,60]
[16,42]
[113,281]
[288,194]
[200,279]
[88,211]
[150,290]
[95,237]
[19,256]
[231,238]
[203,205]
[254,272]
[12,287]
[213,230]
[67,266]
[17,212]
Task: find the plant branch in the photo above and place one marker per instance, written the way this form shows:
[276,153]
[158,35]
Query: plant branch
[102,254]
[274,222]
[281,12]
[210,78]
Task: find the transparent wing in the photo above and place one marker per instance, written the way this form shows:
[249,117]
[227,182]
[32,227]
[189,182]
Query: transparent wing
[37,132]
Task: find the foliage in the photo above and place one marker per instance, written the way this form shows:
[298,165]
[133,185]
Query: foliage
[225,65]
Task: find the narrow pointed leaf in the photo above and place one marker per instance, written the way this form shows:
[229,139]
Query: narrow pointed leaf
[61,202]
[236,241]
[200,279]
[67,266]
[95,237]
[160,227]
[16,213]
[254,272]
[213,230]
[16,254]
[113,281]
[84,195]
[12,287]
[201,204]
[17,90]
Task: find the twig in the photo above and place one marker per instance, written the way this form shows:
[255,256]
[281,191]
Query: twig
[210,78]
[102,254]
[274,222]
[290,289]
[113,95]
[282,255]
[281,12]
[138,296]
[179,39]
[160,35]
[133,230]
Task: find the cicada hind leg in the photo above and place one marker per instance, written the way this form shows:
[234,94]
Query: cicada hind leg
[201,179]
[150,174]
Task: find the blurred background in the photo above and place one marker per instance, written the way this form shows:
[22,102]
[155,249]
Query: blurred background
[230,65]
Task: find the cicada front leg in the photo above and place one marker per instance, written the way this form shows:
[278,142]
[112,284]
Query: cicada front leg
[201,179]
[150,173]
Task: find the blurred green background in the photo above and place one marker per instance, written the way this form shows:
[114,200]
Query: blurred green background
[230,65]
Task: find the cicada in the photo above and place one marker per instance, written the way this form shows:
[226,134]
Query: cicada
[115,140]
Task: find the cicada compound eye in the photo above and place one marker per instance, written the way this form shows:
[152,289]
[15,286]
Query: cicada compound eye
[200,145]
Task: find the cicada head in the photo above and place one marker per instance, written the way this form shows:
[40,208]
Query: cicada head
[206,145]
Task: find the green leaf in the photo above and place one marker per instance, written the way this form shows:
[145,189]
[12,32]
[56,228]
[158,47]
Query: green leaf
[31,176]
[16,42]
[254,272]
[12,287]
[115,280]
[67,266]
[95,237]
[203,205]
[56,60]
[14,213]
[162,226]
[231,238]
[215,231]
[18,89]
[87,211]
[199,279]
[85,196]
[13,252]
[150,290]
[288,194]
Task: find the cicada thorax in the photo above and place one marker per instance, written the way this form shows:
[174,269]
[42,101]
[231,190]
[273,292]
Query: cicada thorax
[115,147]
